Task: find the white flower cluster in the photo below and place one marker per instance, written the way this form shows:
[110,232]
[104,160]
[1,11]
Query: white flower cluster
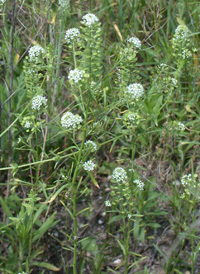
[89,19]
[135,91]
[89,165]
[180,126]
[139,183]
[27,124]
[72,35]
[186,179]
[107,203]
[2,2]
[135,41]
[71,121]
[38,101]
[119,175]
[186,53]
[174,81]
[132,117]
[162,66]
[181,32]
[75,75]
[64,3]
[34,53]
[90,145]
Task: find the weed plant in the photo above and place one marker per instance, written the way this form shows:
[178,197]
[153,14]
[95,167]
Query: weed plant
[99,136]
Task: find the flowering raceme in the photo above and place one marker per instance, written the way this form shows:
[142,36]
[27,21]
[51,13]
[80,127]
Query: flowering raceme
[89,19]
[135,41]
[75,75]
[134,91]
[119,175]
[34,53]
[38,101]
[89,165]
[90,145]
[72,35]
[71,121]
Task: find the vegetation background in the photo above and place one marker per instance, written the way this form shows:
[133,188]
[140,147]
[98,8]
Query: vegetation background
[129,201]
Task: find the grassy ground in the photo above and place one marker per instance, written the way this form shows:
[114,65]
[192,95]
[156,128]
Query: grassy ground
[127,201]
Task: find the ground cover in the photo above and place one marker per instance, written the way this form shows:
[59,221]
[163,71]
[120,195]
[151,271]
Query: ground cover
[99,141]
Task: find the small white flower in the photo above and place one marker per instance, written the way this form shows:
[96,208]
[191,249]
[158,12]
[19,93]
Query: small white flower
[162,65]
[72,35]
[139,183]
[19,139]
[75,75]
[91,146]
[27,124]
[132,117]
[180,126]
[34,53]
[134,91]
[71,121]
[135,41]
[174,81]
[129,215]
[89,165]
[89,19]
[30,71]
[64,3]
[117,262]
[119,175]
[2,2]
[181,32]
[38,101]
[186,179]
[108,203]
[186,54]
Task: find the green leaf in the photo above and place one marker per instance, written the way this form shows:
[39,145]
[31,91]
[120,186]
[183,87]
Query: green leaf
[122,247]
[40,210]
[180,21]
[46,265]
[154,225]
[55,195]
[89,245]
[114,219]
[5,208]
[47,225]
[93,179]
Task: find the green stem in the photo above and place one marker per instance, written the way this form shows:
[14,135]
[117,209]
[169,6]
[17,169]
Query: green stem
[74,55]
[127,246]
[74,190]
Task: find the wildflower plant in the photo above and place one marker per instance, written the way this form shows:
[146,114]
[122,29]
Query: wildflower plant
[182,49]
[127,68]
[190,186]
[60,103]
[91,61]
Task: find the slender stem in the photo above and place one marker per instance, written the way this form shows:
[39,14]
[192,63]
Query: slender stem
[9,95]
[61,26]
[74,189]
[127,237]
[74,55]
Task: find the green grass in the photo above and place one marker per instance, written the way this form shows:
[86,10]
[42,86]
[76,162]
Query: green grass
[63,208]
